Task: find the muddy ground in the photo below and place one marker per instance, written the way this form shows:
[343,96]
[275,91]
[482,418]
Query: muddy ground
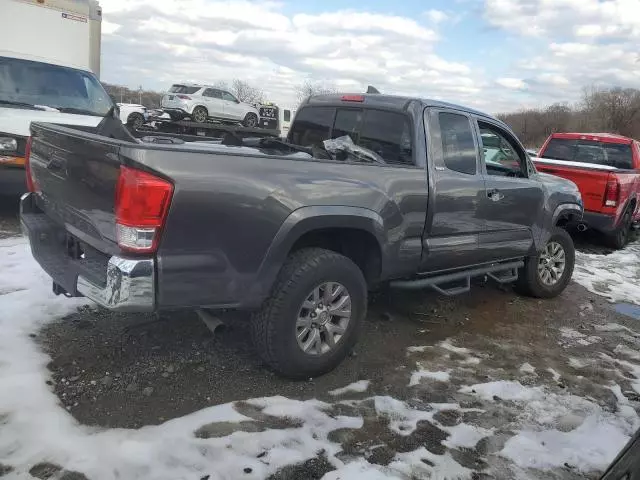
[126,370]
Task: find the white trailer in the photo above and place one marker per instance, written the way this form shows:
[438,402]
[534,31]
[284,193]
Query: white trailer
[63,32]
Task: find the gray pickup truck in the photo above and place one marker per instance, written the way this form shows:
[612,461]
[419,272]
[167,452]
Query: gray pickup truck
[368,190]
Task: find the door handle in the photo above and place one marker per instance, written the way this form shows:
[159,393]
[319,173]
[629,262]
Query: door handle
[495,195]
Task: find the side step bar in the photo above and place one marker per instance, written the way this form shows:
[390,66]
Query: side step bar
[499,272]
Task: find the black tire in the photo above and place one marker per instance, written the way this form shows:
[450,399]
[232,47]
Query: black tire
[135,120]
[250,120]
[620,237]
[273,328]
[199,115]
[529,282]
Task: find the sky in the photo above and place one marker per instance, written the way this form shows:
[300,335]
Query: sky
[495,55]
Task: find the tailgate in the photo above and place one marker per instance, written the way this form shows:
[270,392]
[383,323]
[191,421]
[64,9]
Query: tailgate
[76,175]
[591,180]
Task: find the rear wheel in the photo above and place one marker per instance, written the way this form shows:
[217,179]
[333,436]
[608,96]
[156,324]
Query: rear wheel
[548,273]
[311,320]
[200,114]
[250,120]
[619,239]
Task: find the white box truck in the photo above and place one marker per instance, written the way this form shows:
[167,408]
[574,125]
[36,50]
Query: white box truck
[49,70]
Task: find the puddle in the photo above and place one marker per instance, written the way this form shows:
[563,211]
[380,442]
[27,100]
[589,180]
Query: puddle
[628,309]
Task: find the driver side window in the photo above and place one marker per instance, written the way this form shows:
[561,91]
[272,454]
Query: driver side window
[500,153]
[227,96]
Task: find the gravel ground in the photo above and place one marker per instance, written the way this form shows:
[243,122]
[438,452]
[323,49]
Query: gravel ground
[130,370]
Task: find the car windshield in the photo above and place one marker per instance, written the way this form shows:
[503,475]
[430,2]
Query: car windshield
[183,89]
[29,84]
[589,151]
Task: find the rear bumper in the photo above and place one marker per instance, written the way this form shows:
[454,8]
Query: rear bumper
[599,221]
[12,181]
[116,283]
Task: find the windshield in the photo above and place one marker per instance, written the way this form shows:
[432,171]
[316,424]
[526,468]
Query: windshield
[589,151]
[183,89]
[25,83]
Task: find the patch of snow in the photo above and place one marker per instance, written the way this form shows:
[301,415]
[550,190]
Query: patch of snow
[447,345]
[571,334]
[361,470]
[357,387]
[578,363]
[556,375]
[411,465]
[418,349]
[591,446]
[527,368]
[420,374]
[504,389]
[403,419]
[627,352]
[465,435]
[615,327]
[615,276]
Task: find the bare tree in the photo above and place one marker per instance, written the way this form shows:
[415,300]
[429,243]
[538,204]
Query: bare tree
[243,91]
[308,88]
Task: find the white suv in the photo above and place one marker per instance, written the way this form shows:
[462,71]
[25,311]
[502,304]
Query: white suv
[201,102]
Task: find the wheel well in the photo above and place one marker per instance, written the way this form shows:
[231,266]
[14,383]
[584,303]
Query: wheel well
[358,245]
[566,218]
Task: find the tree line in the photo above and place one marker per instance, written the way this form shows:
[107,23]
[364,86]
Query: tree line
[608,110]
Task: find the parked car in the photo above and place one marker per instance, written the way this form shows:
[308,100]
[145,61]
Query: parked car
[133,115]
[201,102]
[297,232]
[606,169]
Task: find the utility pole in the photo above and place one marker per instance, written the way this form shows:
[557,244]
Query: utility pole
[140,95]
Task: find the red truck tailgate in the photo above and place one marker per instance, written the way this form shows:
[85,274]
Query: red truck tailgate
[590,179]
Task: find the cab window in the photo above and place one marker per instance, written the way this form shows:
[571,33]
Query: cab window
[500,153]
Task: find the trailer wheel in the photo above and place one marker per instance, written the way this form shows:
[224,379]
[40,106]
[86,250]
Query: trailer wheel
[250,120]
[310,322]
[135,120]
[200,115]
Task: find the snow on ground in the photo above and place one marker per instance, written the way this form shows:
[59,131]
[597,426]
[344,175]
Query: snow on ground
[357,387]
[615,276]
[542,427]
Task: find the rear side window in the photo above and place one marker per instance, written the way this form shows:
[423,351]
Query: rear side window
[212,92]
[183,89]
[458,147]
[389,135]
[312,126]
[590,151]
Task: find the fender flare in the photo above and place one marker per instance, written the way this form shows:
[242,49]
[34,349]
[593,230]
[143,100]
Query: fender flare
[574,208]
[305,220]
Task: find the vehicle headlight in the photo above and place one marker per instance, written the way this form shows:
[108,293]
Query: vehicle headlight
[8,145]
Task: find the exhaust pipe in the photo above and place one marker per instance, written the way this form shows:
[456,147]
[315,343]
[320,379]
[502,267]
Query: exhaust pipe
[582,227]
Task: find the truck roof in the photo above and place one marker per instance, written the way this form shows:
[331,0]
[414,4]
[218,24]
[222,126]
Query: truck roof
[35,58]
[390,101]
[604,137]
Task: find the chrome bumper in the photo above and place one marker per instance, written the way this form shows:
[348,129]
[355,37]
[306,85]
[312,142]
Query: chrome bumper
[129,288]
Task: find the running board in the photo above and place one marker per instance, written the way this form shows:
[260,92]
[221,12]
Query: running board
[499,272]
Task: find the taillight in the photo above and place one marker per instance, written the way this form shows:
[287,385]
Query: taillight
[612,192]
[142,204]
[183,97]
[31,183]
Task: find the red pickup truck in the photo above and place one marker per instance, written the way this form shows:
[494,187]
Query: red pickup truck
[606,169]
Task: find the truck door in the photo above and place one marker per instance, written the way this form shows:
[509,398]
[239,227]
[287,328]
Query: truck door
[512,202]
[456,191]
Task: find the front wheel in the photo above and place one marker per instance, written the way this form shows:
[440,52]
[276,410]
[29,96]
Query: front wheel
[250,120]
[310,322]
[548,273]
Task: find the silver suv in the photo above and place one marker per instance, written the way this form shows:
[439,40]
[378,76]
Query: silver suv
[201,102]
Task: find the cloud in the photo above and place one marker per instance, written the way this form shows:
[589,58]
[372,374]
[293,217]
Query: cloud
[436,16]
[159,42]
[572,43]
[512,83]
